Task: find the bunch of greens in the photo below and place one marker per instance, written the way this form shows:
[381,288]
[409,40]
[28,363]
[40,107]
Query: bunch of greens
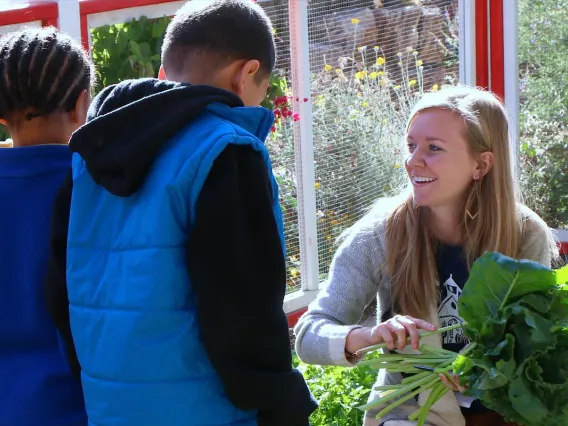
[516,317]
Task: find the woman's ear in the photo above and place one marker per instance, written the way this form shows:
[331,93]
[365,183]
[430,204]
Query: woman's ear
[79,113]
[485,163]
[3,122]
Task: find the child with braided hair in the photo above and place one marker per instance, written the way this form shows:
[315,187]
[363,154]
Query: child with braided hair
[45,82]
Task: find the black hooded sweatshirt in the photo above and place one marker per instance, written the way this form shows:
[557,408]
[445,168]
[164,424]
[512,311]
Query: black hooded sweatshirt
[234,255]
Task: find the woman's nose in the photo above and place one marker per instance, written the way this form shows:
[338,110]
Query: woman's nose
[416,159]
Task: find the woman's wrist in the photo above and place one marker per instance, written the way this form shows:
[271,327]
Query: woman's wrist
[358,338]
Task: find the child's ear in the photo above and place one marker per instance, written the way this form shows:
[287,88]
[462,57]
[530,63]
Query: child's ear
[162,73]
[242,76]
[79,113]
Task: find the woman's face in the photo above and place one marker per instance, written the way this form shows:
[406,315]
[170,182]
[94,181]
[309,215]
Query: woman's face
[439,163]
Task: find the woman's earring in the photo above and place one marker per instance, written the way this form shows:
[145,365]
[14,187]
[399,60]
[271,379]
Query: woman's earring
[475,189]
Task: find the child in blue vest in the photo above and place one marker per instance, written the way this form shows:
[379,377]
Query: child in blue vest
[172,246]
[45,81]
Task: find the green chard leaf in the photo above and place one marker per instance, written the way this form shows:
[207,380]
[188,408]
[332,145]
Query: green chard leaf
[496,280]
[562,275]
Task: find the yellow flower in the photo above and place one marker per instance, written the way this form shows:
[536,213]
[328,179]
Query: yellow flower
[359,75]
[419,62]
[397,166]
[399,63]
[373,75]
[337,71]
[380,61]
[399,54]
[293,272]
[381,73]
[376,48]
[355,21]
[359,95]
[328,68]
[365,104]
[318,185]
[397,87]
[409,49]
[415,53]
[361,48]
[435,88]
[384,82]
[412,83]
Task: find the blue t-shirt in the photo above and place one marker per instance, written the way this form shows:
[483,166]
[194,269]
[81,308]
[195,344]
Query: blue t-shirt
[36,386]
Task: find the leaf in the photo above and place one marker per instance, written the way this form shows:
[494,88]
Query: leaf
[540,332]
[525,402]
[480,374]
[145,50]
[494,281]
[135,48]
[541,302]
[562,275]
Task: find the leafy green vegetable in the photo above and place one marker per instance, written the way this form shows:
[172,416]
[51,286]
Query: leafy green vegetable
[516,316]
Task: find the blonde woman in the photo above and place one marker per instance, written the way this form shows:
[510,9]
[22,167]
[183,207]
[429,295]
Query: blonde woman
[414,253]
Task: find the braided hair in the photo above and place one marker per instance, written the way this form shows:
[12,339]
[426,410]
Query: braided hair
[42,70]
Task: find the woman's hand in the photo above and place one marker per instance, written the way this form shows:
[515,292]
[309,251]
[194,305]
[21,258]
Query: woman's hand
[393,332]
[452,382]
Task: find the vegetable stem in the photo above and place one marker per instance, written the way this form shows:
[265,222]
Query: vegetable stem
[422,335]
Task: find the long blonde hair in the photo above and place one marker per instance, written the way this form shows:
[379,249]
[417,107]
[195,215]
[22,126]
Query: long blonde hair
[497,227]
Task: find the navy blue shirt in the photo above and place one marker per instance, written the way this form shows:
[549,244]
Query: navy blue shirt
[453,273]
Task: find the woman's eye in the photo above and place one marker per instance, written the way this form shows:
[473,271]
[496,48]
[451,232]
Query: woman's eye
[434,148]
[411,146]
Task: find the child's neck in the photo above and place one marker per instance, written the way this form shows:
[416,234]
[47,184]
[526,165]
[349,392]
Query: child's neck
[38,131]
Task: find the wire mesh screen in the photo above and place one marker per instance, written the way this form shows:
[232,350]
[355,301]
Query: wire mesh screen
[370,61]
[543,61]
[280,142]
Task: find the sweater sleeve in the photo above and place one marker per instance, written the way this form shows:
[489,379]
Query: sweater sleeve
[238,273]
[538,242]
[353,281]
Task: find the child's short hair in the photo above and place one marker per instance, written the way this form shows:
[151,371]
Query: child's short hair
[217,33]
[43,70]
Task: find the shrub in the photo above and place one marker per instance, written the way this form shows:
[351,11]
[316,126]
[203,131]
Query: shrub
[129,50]
[339,391]
[543,51]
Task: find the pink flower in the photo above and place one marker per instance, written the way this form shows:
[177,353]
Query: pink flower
[273,129]
[306,99]
[281,100]
[296,116]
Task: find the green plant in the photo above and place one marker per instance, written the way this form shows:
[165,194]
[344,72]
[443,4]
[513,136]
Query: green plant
[544,171]
[543,57]
[338,391]
[4,134]
[129,50]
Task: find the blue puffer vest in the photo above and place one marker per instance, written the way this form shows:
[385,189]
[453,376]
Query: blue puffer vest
[132,306]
